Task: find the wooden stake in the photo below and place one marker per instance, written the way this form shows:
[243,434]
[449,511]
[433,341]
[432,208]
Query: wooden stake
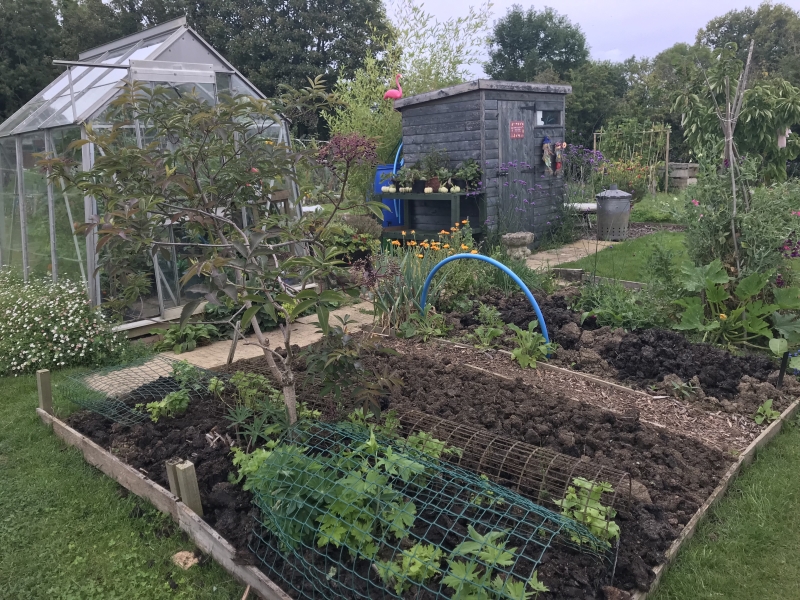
[246,593]
[187,484]
[172,475]
[232,351]
[45,391]
[666,165]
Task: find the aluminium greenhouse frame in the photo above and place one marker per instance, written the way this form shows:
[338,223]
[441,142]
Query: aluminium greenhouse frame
[37,217]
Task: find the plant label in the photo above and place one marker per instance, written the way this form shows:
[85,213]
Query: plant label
[517,129]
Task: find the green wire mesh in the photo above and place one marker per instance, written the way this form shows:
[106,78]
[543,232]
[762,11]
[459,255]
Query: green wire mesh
[348,514]
[115,391]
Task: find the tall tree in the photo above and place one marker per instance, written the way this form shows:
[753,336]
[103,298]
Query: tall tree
[29,41]
[526,43]
[598,92]
[89,23]
[775,28]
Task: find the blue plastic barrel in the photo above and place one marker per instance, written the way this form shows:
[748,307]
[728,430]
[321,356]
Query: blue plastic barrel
[393,213]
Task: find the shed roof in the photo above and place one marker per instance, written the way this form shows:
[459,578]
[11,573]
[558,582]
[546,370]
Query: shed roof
[94,86]
[482,84]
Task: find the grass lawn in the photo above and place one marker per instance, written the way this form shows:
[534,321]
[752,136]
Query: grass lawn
[69,532]
[748,548]
[628,260]
[658,209]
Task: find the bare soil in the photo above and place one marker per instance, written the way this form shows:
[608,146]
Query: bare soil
[656,361]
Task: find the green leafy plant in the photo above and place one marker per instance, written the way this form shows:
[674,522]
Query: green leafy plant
[414,566]
[251,387]
[427,326]
[745,317]
[582,503]
[188,376]
[46,325]
[470,171]
[337,363]
[612,304]
[484,336]
[474,577]
[530,345]
[185,338]
[681,389]
[766,414]
[216,386]
[433,161]
[173,404]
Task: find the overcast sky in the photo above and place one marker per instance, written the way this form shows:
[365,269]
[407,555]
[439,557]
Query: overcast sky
[618,29]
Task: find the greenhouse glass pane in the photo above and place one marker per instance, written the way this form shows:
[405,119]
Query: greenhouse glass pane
[34,184]
[25,112]
[10,233]
[49,112]
[68,204]
[92,97]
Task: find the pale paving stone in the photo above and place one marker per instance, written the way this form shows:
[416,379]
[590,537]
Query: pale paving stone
[565,254]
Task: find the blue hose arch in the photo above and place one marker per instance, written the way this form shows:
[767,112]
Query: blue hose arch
[500,266]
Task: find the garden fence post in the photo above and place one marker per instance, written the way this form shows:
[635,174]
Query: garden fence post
[666,166]
[187,484]
[172,476]
[235,341]
[45,391]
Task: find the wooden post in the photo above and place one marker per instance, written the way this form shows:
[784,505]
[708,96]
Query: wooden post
[172,476]
[666,166]
[594,141]
[45,391]
[187,484]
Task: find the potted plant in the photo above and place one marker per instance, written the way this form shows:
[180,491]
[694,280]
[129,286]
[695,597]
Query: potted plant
[431,163]
[389,181]
[417,181]
[405,179]
[444,175]
[468,174]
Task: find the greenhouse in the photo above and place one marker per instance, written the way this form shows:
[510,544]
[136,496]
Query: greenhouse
[38,219]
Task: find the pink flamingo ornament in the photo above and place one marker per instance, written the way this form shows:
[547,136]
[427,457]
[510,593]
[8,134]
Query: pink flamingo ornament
[394,94]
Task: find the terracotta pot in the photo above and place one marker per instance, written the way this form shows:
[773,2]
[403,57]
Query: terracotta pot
[434,183]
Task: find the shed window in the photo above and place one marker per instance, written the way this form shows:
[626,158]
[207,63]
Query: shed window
[548,117]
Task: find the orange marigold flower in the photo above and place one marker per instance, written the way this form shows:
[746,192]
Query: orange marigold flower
[473,252]
[413,232]
[412,243]
[443,232]
[454,229]
[395,242]
[464,222]
[420,256]
[464,247]
[446,245]
[402,232]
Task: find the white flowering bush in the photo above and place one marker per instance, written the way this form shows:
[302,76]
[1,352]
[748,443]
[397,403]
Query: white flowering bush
[46,325]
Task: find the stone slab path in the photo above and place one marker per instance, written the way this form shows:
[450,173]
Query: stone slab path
[565,254]
[304,333]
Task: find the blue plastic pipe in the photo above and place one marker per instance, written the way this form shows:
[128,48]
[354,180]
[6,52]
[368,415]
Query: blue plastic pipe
[500,266]
[394,170]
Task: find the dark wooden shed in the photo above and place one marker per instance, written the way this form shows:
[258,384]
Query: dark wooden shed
[502,125]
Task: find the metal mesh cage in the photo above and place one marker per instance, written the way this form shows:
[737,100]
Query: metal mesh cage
[346,513]
[115,391]
[540,474]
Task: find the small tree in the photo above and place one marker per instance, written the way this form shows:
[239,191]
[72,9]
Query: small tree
[212,170]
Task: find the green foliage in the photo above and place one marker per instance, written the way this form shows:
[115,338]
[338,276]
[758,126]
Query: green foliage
[474,577]
[775,29]
[426,326]
[173,404]
[598,91]
[47,325]
[769,106]
[763,223]
[189,377]
[484,336]
[582,503]
[251,388]
[414,566]
[530,345]
[766,414]
[470,171]
[336,362]
[433,162]
[738,313]
[612,304]
[433,53]
[526,43]
[184,338]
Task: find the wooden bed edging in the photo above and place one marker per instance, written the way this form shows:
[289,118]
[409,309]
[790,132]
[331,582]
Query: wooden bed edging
[745,459]
[201,533]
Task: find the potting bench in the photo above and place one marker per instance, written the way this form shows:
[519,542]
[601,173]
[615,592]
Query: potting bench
[424,214]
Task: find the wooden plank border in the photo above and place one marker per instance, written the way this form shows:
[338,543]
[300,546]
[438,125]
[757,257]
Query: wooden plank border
[745,459]
[201,533]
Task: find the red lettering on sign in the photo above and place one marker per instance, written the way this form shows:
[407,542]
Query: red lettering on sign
[517,129]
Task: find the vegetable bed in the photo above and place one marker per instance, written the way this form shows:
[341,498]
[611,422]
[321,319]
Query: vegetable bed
[672,475]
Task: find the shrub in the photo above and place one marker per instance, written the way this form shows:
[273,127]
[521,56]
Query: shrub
[615,305]
[45,325]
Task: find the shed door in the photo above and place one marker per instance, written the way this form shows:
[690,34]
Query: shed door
[528,195]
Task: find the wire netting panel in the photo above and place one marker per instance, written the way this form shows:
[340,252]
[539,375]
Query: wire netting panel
[115,391]
[348,514]
[540,474]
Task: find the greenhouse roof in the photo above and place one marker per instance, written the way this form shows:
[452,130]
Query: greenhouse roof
[81,92]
